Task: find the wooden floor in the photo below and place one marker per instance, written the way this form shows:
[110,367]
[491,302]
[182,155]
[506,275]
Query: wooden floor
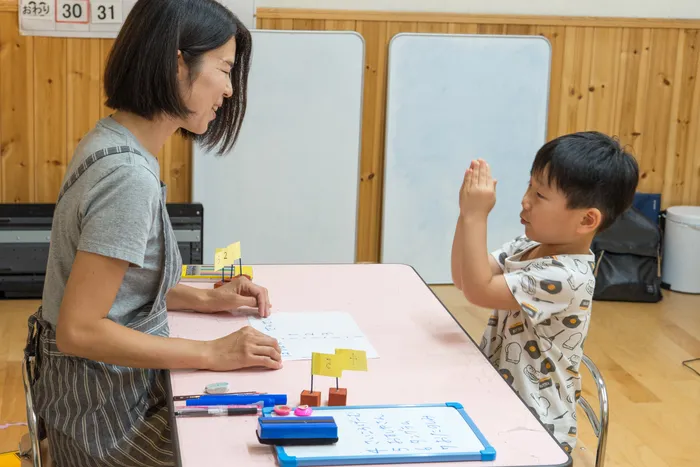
[654,399]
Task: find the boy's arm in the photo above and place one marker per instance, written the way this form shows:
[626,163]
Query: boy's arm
[540,292]
[481,284]
[458,257]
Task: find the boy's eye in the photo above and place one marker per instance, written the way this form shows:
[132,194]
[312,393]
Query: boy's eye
[539,195]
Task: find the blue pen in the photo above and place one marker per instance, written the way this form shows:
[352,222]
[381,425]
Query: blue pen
[270,400]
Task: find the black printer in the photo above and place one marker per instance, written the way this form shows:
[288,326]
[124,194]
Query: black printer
[25,230]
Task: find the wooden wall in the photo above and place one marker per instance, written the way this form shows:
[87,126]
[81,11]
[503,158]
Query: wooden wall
[633,78]
[50,96]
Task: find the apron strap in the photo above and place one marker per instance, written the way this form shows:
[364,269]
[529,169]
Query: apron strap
[91,159]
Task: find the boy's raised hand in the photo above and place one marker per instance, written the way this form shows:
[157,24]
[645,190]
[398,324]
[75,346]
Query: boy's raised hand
[478,192]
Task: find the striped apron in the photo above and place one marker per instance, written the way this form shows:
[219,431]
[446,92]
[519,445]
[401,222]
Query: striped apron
[97,414]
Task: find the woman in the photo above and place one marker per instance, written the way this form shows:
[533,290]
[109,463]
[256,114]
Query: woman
[100,339]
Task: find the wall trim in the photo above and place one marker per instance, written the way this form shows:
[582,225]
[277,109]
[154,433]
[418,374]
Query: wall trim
[428,17]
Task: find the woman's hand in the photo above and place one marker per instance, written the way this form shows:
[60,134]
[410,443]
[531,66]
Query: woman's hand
[244,348]
[239,292]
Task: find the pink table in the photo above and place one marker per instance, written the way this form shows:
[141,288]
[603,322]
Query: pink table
[425,357]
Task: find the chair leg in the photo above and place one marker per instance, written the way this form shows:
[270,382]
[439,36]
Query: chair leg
[601,428]
[32,421]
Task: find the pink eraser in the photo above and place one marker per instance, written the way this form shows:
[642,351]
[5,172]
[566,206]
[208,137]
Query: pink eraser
[303,411]
[282,410]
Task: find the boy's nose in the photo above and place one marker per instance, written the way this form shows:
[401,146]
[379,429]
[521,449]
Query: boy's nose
[525,203]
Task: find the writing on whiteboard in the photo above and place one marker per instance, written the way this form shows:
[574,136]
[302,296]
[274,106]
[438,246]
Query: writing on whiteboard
[424,434]
[399,431]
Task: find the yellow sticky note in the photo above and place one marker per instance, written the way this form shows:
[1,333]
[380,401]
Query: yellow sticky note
[323,364]
[353,360]
[221,258]
[234,251]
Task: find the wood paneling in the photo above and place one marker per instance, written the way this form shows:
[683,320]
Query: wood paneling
[632,78]
[51,94]
[635,79]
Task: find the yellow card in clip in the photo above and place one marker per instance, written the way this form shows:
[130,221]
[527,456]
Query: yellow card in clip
[324,364]
[234,251]
[221,259]
[352,360]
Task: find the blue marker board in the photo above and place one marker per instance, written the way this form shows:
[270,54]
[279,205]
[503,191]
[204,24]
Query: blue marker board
[395,434]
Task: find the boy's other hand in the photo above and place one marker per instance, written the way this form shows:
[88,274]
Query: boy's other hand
[478,193]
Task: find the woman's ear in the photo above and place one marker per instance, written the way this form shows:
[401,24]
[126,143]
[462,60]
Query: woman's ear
[181,67]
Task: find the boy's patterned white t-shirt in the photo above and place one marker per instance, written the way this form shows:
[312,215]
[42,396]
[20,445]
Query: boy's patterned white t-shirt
[538,349]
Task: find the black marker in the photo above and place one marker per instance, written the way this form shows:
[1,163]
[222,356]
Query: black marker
[215,411]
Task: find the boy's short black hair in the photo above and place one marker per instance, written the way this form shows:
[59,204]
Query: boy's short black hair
[592,170]
[141,71]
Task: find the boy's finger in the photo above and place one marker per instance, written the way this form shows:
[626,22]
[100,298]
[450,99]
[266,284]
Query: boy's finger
[480,172]
[472,179]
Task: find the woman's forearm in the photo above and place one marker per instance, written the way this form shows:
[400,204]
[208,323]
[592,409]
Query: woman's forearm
[184,297]
[109,342]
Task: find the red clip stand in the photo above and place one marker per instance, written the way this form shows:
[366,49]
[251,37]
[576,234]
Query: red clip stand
[221,283]
[225,279]
[310,398]
[337,396]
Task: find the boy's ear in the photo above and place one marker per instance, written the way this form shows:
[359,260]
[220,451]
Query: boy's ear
[590,221]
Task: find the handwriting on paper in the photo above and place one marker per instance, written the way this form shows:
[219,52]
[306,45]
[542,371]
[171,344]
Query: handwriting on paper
[302,333]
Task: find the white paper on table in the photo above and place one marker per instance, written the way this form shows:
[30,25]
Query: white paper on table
[301,333]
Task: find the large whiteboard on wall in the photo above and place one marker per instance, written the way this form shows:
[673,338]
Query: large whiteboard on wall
[451,99]
[288,191]
[95,18]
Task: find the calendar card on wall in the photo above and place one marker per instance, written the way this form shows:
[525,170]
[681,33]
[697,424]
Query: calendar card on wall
[94,18]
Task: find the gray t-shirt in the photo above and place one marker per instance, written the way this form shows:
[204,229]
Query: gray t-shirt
[113,210]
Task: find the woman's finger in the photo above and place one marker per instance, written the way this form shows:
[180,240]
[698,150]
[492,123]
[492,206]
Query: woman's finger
[267,362]
[243,300]
[263,339]
[267,351]
[266,309]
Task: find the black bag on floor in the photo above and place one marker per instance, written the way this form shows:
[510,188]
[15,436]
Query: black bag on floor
[627,260]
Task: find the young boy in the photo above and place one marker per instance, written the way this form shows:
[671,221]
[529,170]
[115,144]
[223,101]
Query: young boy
[541,284]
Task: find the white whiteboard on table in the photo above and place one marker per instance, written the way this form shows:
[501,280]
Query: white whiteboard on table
[394,435]
[451,99]
[288,190]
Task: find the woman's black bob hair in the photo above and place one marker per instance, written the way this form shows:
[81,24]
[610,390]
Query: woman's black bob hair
[141,71]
